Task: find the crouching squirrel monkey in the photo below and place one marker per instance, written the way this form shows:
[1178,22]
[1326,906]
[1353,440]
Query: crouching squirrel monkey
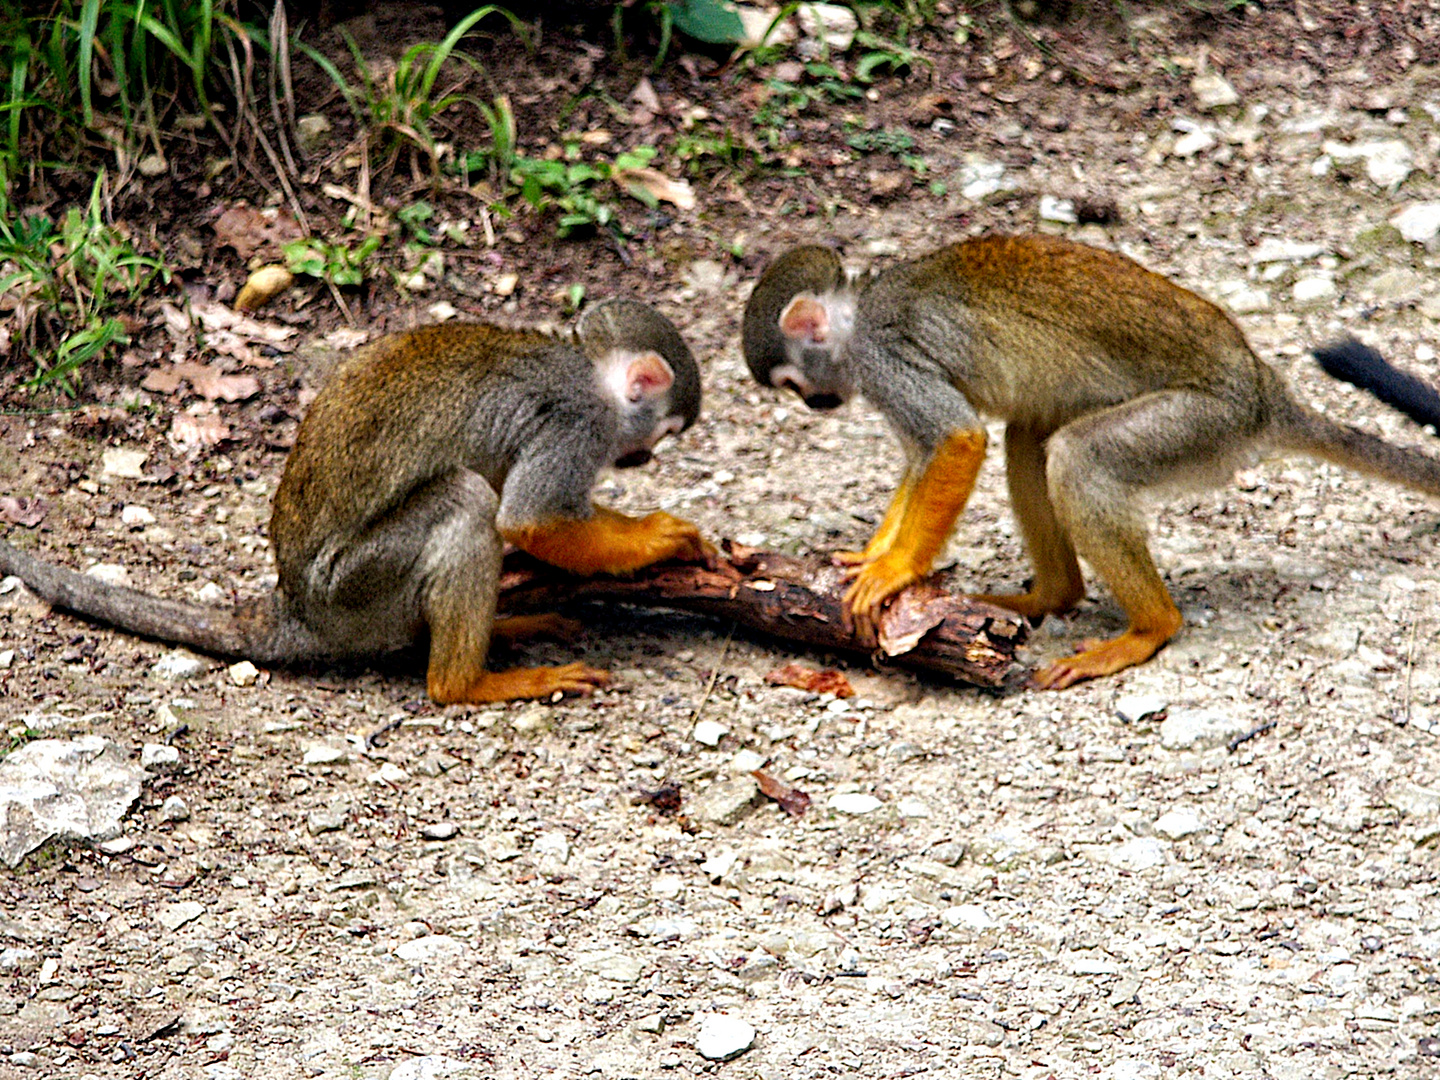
[420,456]
[1111,379]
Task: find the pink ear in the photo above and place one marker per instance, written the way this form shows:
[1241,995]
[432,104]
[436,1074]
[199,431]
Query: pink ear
[647,375]
[806,318]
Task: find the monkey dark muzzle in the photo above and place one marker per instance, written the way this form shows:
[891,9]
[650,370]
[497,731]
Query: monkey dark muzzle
[824,402]
[633,459]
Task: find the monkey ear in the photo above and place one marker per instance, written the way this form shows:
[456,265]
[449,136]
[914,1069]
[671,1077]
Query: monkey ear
[806,318]
[647,375]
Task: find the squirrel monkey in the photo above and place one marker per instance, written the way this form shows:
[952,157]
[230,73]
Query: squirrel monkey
[1112,380]
[420,456]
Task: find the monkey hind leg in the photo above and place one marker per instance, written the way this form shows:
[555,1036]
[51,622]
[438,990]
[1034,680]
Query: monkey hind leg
[1058,584]
[514,629]
[1096,468]
[460,568]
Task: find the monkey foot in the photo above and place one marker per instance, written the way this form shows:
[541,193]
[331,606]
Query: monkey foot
[1100,658]
[537,682]
[516,628]
[849,558]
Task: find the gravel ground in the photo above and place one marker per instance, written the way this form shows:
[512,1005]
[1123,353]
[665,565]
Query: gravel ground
[1086,883]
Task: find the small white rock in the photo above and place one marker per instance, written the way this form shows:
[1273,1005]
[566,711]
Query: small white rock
[174,916]
[137,517]
[723,1037]
[911,807]
[746,761]
[210,593]
[388,773]
[719,864]
[109,573]
[1198,729]
[433,948]
[174,809]
[1193,142]
[1132,708]
[1312,290]
[552,845]
[1419,222]
[324,754]
[710,732]
[178,664]
[854,802]
[7,658]
[1177,824]
[244,673]
[968,917]
[1212,91]
[122,464]
[439,830]
[835,23]
[158,755]
[1061,211]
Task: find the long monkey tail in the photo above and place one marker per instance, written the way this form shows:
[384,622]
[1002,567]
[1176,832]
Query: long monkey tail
[259,631]
[1295,426]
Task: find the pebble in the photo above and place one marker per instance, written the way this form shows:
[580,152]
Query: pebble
[174,809]
[158,756]
[1419,222]
[122,464]
[1061,211]
[746,761]
[1212,91]
[1200,729]
[244,673]
[1315,289]
[719,864]
[136,517]
[710,732]
[968,917]
[723,1037]
[912,808]
[388,773]
[174,916]
[327,820]
[654,1024]
[1273,250]
[440,830]
[1193,142]
[834,23]
[617,966]
[1388,162]
[7,658]
[1142,853]
[439,1067]
[1177,824]
[178,664]
[553,845]
[854,802]
[430,949]
[109,573]
[325,754]
[24,1059]
[1132,708]
[725,801]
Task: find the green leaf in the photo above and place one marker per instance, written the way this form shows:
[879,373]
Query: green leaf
[714,21]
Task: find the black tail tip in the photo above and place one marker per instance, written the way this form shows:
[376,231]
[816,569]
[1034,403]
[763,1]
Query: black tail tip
[1352,361]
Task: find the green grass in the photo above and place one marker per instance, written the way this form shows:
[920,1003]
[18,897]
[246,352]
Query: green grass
[69,278]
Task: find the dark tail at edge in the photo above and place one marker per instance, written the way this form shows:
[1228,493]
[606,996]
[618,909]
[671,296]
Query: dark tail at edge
[1358,364]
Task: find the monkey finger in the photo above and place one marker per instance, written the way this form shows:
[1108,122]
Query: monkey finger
[579,678]
[849,558]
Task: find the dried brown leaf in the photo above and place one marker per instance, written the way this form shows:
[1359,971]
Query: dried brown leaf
[191,431]
[19,510]
[247,230]
[792,800]
[801,677]
[658,185]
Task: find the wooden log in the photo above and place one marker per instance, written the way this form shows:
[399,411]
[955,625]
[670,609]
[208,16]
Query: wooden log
[798,602]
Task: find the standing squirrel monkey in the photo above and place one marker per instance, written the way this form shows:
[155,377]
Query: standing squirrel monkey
[1111,380]
[420,456]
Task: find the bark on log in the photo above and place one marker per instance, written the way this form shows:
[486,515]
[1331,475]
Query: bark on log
[797,602]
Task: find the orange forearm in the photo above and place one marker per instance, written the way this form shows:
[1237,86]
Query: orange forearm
[608,542]
[937,498]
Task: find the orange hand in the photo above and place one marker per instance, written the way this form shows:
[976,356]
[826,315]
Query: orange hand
[875,583]
[915,528]
[611,543]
